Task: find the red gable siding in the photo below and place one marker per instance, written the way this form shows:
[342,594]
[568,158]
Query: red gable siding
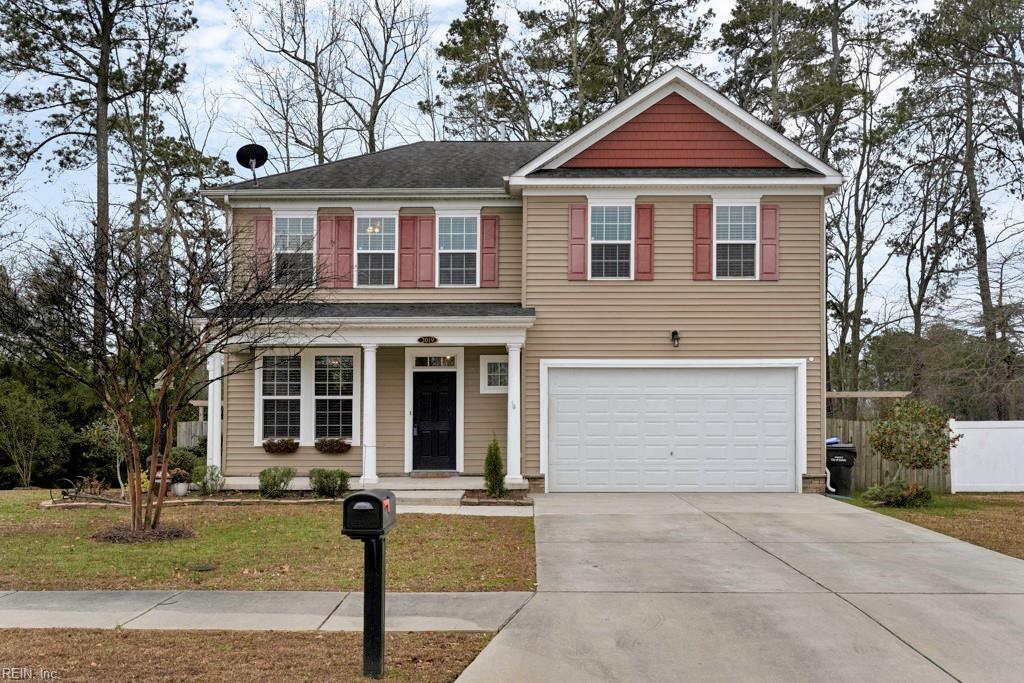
[674,133]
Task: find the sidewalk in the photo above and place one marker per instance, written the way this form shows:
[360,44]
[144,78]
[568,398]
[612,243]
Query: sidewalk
[254,610]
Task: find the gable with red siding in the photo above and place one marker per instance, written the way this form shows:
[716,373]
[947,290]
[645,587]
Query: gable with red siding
[674,133]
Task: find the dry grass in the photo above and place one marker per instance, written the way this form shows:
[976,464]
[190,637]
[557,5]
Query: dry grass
[991,520]
[92,655]
[258,547]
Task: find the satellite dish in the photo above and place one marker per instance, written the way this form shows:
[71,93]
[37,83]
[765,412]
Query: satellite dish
[251,157]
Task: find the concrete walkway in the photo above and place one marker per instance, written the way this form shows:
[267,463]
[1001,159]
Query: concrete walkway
[254,610]
[727,587]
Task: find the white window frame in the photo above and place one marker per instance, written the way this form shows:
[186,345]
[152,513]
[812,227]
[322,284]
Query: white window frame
[438,252]
[602,203]
[485,388]
[356,252]
[307,400]
[756,242]
[335,397]
[273,240]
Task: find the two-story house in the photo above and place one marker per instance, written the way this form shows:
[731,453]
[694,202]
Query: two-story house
[638,307]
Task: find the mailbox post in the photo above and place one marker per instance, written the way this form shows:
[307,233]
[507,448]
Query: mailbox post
[369,516]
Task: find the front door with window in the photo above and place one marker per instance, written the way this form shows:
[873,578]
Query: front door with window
[433,421]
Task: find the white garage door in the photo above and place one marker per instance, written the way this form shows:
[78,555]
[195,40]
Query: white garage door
[671,429]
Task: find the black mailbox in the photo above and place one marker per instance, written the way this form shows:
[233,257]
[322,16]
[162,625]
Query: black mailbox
[368,514]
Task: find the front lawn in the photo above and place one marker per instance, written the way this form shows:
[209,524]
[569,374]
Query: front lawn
[89,655]
[991,520]
[257,547]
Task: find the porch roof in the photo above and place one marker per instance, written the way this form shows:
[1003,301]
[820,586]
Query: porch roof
[332,310]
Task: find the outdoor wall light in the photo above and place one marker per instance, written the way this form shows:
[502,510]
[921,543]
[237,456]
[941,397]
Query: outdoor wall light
[675,339]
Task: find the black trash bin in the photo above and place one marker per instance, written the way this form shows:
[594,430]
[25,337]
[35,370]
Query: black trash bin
[839,459]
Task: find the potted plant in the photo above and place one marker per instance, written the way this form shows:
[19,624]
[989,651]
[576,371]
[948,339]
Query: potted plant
[332,445]
[180,479]
[280,446]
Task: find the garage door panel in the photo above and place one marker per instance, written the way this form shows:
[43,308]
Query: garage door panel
[677,429]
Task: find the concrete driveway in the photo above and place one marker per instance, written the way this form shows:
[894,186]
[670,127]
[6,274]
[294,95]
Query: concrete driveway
[726,587]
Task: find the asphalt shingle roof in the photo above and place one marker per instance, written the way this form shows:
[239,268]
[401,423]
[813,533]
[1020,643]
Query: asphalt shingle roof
[418,165]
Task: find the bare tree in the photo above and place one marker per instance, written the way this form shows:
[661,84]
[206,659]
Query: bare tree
[295,75]
[384,42]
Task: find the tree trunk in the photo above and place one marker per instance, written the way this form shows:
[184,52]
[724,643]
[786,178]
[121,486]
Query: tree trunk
[101,248]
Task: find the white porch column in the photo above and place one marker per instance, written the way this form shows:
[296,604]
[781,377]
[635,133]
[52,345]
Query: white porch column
[369,415]
[514,466]
[215,368]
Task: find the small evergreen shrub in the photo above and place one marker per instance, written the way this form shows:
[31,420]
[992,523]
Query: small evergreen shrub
[199,449]
[898,494]
[207,478]
[280,446]
[274,481]
[494,471]
[914,435]
[327,483]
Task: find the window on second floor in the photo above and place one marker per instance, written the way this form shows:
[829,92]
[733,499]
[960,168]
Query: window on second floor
[376,251]
[611,242]
[736,241]
[458,238]
[294,247]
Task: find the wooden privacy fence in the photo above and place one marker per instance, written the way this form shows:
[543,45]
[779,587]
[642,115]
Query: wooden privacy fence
[190,432]
[870,468]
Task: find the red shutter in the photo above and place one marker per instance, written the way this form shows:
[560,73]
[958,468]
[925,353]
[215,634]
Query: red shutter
[264,239]
[577,241]
[644,242]
[407,251]
[326,250]
[489,251]
[425,251]
[343,245]
[769,242]
[703,242]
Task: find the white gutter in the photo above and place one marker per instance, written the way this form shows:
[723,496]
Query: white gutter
[504,321]
[675,183]
[348,193]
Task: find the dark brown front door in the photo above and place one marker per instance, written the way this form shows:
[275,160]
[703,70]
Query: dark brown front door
[433,420]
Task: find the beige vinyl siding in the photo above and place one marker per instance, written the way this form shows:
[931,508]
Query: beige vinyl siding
[634,319]
[485,419]
[509,289]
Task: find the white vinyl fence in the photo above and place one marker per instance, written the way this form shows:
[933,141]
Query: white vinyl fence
[989,457]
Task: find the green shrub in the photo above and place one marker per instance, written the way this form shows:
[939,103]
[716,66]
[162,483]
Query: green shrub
[328,483]
[899,495]
[494,471]
[199,448]
[274,481]
[207,478]
[181,458]
[914,435]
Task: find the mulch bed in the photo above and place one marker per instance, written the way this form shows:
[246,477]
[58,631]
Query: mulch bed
[512,497]
[124,534]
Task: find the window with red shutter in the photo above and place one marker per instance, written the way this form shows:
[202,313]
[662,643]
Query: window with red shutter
[703,242]
[577,242]
[644,242]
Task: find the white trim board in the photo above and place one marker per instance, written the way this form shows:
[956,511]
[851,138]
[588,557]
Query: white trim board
[411,353]
[798,364]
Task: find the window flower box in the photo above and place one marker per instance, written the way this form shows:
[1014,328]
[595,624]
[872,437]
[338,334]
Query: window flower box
[333,446]
[280,446]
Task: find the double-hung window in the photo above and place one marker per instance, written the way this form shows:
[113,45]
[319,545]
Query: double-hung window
[376,251]
[294,247]
[282,397]
[611,242]
[458,240]
[736,241]
[333,382]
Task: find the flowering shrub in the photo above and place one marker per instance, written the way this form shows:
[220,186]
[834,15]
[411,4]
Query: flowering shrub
[915,435]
